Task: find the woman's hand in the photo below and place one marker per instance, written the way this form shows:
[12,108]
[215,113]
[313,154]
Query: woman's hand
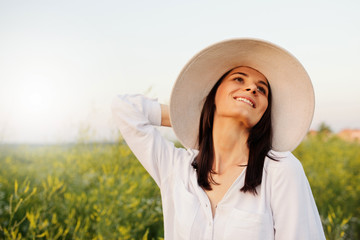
[165,116]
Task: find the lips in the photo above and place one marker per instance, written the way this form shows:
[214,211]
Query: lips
[245,100]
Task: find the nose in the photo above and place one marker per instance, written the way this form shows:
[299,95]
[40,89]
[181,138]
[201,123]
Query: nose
[251,88]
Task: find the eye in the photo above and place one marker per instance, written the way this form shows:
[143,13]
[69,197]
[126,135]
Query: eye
[239,79]
[262,90]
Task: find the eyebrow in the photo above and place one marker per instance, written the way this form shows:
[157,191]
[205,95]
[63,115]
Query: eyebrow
[241,73]
[264,83]
[244,74]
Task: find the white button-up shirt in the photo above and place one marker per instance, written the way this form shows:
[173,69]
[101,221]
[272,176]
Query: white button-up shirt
[284,207]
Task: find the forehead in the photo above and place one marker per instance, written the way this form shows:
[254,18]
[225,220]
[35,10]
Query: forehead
[249,71]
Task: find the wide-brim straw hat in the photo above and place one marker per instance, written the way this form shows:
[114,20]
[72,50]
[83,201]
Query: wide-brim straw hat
[292,92]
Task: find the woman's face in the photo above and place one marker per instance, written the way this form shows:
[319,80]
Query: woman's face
[243,94]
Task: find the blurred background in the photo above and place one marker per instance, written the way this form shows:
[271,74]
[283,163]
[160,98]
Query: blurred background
[63,62]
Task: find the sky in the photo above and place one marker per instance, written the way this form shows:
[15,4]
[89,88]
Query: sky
[63,62]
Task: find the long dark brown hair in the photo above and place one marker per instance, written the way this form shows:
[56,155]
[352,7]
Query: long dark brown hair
[259,143]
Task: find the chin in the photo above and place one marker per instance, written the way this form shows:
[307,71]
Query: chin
[247,120]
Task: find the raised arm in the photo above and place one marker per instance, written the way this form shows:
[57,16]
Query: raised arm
[165,116]
[136,117]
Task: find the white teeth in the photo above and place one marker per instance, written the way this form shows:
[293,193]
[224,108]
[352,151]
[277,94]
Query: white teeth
[244,100]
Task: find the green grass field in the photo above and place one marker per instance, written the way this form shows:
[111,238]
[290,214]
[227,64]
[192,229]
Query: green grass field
[100,191]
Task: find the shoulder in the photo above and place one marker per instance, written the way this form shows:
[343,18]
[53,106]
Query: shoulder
[183,168]
[283,164]
[185,159]
[285,175]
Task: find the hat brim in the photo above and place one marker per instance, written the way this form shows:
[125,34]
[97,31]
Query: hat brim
[292,91]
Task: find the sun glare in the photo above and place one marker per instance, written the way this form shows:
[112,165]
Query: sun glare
[33,108]
[37,103]
[35,100]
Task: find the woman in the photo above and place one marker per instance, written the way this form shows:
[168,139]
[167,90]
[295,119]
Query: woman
[239,107]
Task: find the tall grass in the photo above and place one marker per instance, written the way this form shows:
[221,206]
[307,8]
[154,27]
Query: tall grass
[100,191]
[83,191]
[333,169]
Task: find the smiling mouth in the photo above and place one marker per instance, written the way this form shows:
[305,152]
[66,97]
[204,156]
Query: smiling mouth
[245,100]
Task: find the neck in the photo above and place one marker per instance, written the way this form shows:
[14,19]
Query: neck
[230,144]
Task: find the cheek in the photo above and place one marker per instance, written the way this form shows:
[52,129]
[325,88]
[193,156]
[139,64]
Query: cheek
[219,97]
[263,108]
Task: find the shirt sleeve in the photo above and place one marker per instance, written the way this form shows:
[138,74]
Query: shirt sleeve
[293,206]
[136,117]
